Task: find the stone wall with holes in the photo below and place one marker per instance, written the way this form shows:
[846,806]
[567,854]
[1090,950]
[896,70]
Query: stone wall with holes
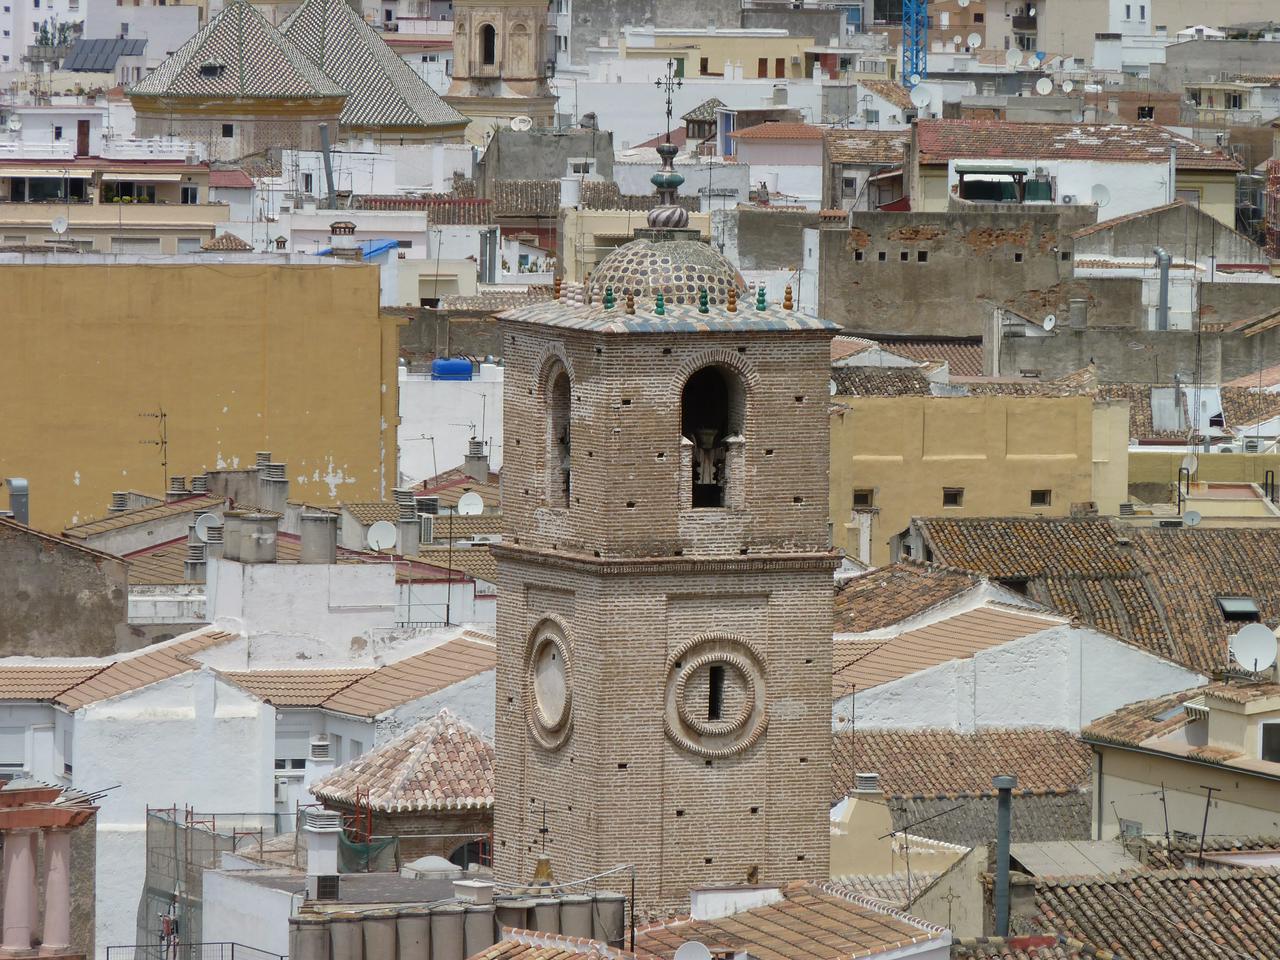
[940,274]
[621,753]
[628,496]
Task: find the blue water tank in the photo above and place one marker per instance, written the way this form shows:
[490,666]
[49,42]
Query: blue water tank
[451,368]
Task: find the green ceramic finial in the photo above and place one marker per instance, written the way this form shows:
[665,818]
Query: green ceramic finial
[608,298]
[660,308]
[760,297]
[702,300]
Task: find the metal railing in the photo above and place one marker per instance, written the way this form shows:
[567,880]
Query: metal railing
[190,951]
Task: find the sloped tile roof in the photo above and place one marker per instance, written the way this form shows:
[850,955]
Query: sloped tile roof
[888,595]
[526,198]
[439,764]
[373,511]
[256,62]
[414,677]
[41,683]
[382,90]
[705,111]
[779,130]
[1166,914]
[295,688]
[868,147]
[1033,947]
[893,93]
[476,562]
[943,140]
[963,356]
[943,763]
[227,242]
[234,179]
[813,921]
[970,821]
[450,485]
[880,381]
[890,888]
[1023,547]
[128,518]
[954,638]
[537,945]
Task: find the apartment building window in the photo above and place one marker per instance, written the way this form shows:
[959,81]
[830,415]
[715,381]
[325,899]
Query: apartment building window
[308,182]
[1128,12]
[57,133]
[291,763]
[704,66]
[979,18]
[864,498]
[404,244]
[1234,101]
[1041,498]
[1270,737]
[1142,12]
[953,496]
[762,67]
[190,193]
[228,130]
[1146,112]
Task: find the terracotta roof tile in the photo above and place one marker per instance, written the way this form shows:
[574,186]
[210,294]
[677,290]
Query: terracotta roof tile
[943,763]
[1165,914]
[869,381]
[963,356]
[1024,547]
[439,764]
[414,677]
[476,562]
[233,178]
[889,595]
[813,921]
[954,638]
[868,147]
[943,140]
[227,242]
[41,683]
[159,511]
[294,688]
[891,888]
[133,671]
[893,93]
[369,513]
[779,130]
[1050,947]
[537,945]
[450,485]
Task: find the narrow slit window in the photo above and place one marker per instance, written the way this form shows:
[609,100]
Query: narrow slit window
[715,691]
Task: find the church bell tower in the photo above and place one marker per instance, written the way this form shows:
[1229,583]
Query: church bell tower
[665,582]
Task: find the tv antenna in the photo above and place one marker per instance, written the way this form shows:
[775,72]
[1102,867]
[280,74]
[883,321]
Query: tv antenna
[161,441]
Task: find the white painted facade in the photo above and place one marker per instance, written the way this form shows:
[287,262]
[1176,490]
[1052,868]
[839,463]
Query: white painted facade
[1130,187]
[792,169]
[1061,678]
[234,907]
[445,410]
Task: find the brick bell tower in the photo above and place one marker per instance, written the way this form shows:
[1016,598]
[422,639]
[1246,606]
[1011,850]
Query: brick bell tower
[665,584]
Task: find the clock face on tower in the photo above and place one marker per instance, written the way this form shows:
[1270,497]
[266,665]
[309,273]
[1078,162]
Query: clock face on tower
[548,687]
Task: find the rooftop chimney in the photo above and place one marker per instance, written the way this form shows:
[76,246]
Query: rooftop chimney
[342,239]
[200,483]
[319,535]
[258,538]
[866,783]
[1163,261]
[408,526]
[263,458]
[177,489]
[1004,824]
[273,486]
[19,499]
[119,501]
[322,830]
[213,545]
[476,463]
[193,569]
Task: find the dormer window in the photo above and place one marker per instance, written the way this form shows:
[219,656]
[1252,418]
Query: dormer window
[212,69]
[1239,609]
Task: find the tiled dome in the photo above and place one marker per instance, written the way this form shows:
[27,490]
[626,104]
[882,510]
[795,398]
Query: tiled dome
[678,269]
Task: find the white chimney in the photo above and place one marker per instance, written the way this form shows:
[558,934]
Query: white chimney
[322,830]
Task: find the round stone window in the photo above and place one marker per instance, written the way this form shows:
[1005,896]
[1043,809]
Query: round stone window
[715,695]
[548,684]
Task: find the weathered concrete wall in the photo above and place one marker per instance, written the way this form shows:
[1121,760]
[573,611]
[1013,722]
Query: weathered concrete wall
[1183,230]
[1228,302]
[440,333]
[1194,61]
[822,25]
[761,239]
[58,600]
[1140,356]
[541,155]
[593,19]
[940,273]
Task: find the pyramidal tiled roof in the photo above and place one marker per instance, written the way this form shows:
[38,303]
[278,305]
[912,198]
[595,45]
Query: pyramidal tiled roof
[238,54]
[439,764]
[382,89]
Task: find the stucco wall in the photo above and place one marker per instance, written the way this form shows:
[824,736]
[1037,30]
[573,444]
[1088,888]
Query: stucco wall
[239,911]
[58,600]
[955,899]
[1062,678]
[446,410]
[241,357]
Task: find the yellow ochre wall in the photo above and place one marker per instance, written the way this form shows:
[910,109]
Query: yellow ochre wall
[998,448]
[242,357]
[1161,466]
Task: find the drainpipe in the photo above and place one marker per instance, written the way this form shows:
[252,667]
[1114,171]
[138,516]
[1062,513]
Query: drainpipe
[1004,824]
[1163,260]
[19,499]
[328,166]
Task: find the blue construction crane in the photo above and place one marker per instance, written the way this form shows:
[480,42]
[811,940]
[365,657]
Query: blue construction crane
[915,41]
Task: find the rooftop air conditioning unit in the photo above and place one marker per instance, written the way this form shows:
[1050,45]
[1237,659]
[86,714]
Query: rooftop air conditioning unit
[1169,523]
[795,60]
[327,887]
[1068,198]
[1225,448]
[281,790]
[1252,446]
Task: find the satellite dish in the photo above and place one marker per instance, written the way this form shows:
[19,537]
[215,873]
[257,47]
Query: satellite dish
[1100,194]
[915,78]
[962,3]
[1067,86]
[1254,647]
[470,504]
[957,39]
[920,96]
[59,225]
[1050,322]
[203,523]
[15,124]
[1044,86]
[693,951]
[975,39]
[1031,11]
[381,535]
[521,123]
[1190,462]
[1192,518]
[1013,57]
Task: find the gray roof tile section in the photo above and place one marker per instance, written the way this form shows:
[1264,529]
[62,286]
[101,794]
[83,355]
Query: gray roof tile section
[1036,817]
[382,89]
[100,56]
[254,60]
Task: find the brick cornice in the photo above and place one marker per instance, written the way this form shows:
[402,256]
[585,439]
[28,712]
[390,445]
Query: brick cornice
[619,566]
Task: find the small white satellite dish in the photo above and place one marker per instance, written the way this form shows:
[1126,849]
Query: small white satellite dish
[521,123]
[1190,462]
[920,96]
[15,124]
[59,225]
[1013,57]
[1031,11]
[381,535]
[957,39]
[692,950]
[1101,194]
[1192,518]
[470,504]
[975,39]
[1044,86]
[915,78]
[204,522]
[1067,86]
[1254,647]
[1050,322]
[962,3]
